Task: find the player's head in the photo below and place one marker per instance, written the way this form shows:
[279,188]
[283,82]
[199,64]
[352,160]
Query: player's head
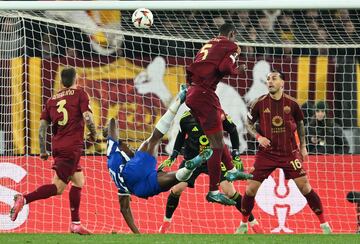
[68,77]
[275,81]
[228,30]
[320,110]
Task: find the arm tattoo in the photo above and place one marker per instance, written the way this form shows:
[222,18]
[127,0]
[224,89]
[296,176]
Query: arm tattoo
[251,128]
[301,132]
[89,121]
[42,135]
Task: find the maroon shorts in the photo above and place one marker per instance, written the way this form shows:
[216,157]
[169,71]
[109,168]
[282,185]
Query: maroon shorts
[264,166]
[66,162]
[205,107]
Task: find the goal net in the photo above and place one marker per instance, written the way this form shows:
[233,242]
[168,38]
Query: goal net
[132,75]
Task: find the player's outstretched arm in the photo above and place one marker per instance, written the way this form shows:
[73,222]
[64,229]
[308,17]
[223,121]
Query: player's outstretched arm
[89,121]
[179,142]
[230,128]
[125,210]
[42,139]
[112,130]
[263,141]
[229,65]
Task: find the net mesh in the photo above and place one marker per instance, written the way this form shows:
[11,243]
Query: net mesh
[133,74]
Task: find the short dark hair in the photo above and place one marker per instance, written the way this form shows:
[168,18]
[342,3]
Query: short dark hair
[281,74]
[68,75]
[226,28]
[321,106]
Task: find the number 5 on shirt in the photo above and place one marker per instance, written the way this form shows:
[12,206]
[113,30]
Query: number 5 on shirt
[205,50]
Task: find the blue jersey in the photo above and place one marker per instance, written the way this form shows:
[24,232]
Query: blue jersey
[116,162]
[136,175]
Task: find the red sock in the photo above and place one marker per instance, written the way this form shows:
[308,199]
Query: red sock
[75,197]
[214,166]
[226,158]
[43,192]
[247,206]
[314,202]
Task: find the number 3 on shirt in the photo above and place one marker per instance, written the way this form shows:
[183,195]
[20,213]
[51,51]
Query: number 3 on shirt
[205,50]
[62,109]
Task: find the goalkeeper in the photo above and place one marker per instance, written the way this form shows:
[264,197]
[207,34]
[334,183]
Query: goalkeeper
[192,137]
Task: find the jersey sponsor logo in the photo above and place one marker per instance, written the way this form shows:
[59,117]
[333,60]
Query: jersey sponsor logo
[266,110]
[281,199]
[223,167]
[277,121]
[195,129]
[287,109]
[204,143]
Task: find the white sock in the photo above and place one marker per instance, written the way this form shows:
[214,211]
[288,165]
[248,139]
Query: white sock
[183,174]
[167,219]
[253,222]
[233,170]
[164,123]
[324,224]
[214,192]
[243,223]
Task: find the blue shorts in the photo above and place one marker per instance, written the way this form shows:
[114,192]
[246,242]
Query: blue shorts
[140,175]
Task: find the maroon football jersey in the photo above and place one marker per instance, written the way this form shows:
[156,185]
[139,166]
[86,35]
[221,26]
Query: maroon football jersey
[65,111]
[277,122]
[204,71]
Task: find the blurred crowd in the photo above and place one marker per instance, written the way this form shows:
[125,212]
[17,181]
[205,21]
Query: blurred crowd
[307,27]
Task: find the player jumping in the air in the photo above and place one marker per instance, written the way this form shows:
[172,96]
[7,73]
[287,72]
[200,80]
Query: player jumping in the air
[67,110]
[136,173]
[214,60]
[192,137]
[280,118]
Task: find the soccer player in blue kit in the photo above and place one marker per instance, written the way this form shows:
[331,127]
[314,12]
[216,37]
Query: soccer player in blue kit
[135,173]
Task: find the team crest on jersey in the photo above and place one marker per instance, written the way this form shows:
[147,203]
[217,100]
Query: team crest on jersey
[266,110]
[277,121]
[287,109]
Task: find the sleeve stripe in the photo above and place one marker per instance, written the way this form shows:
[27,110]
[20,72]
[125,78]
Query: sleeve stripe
[123,194]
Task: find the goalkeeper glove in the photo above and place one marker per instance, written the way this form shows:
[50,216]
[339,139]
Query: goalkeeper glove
[236,160]
[169,161]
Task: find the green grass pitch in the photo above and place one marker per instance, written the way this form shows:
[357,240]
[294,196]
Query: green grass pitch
[171,238]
